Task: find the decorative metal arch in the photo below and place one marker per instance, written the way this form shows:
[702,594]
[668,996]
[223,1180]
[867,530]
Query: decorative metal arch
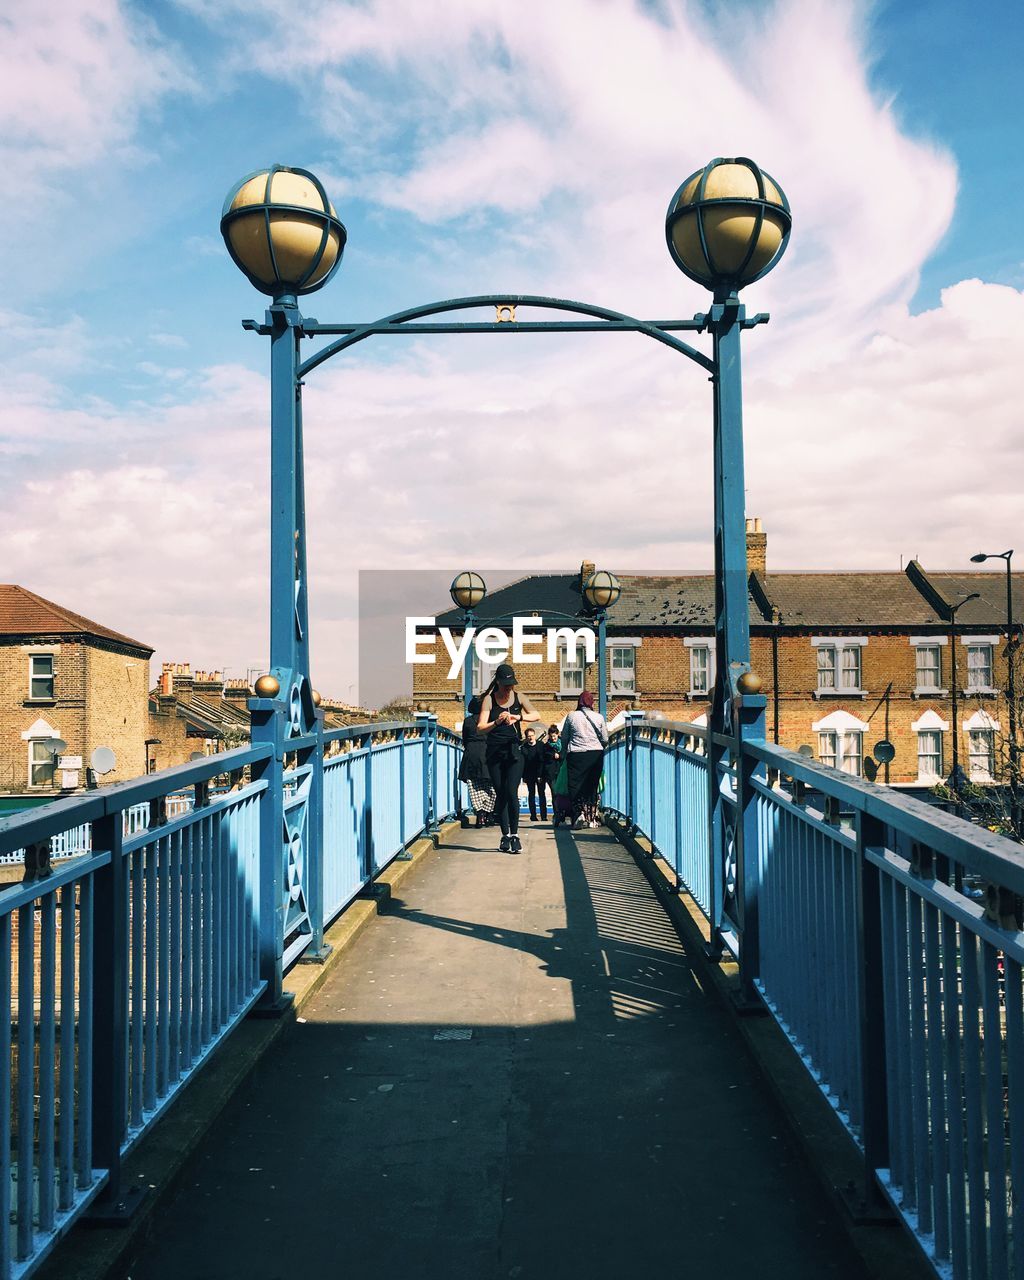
[600,319]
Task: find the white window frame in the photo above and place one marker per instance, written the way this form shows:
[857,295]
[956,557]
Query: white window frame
[49,762]
[980,642]
[617,688]
[931,722]
[482,673]
[847,733]
[579,664]
[707,643]
[33,658]
[929,748]
[981,722]
[841,646]
[928,690]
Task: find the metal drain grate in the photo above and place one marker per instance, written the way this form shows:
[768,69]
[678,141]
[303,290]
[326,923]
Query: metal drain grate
[453,1033]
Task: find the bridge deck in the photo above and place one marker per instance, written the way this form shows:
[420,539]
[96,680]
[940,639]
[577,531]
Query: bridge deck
[602,1119]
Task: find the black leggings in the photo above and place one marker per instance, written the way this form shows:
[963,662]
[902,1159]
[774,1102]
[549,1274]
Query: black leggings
[584,778]
[536,790]
[506,766]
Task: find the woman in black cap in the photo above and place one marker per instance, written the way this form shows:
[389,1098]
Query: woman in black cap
[474,771]
[502,712]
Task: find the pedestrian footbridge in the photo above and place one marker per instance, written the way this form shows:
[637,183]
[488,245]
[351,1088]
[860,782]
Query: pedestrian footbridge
[525,1066]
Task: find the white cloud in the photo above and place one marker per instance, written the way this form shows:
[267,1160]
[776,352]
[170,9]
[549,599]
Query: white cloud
[74,78]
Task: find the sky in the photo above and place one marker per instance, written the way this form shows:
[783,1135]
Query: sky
[478,146]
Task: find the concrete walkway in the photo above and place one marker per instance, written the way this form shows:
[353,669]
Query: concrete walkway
[514,1073]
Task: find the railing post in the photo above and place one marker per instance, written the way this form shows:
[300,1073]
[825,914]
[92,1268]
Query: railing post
[631,722]
[404,855]
[871,1010]
[428,724]
[368,857]
[267,719]
[110,1020]
[749,854]
[317,951]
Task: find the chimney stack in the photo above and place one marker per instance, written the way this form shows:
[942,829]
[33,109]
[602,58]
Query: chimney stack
[587,570]
[757,547]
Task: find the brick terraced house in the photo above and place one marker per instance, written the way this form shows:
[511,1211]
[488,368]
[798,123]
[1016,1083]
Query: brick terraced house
[846,659]
[65,678]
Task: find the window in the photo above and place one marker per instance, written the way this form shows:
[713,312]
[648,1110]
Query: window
[979,666]
[40,763]
[570,674]
[981,753]
[700,668]
[843,751]
[839,666]
[623,672]
[482,672]
[929,754]
[40,675]
[929,666]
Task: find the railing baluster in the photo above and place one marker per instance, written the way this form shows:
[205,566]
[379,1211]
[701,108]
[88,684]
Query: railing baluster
[174,1010]
[47,1055]
[26,1074]
[138,992]
[995,1116]
[937,1096]
[66,1131]
[1014,998]
[5,1093]
[86,1046]
[918,1063]
[151,910]
[163,855]
[954,1093]
[974,1106]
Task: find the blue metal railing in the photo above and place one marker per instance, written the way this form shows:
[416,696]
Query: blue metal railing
[125,966]
[902,995]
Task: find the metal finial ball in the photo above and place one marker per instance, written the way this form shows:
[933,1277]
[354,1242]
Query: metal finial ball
[749,682]
[317,699]
[267,687]
[728,224]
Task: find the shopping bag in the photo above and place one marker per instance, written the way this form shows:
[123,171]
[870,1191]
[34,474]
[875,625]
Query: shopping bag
[560,786]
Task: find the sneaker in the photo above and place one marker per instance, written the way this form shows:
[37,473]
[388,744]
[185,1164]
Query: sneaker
[516,845]
[579,824]
[505,846]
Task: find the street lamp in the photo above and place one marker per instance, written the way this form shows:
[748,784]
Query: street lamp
[467,591]
[1011,686]
[726,226]
[602,590]
[954,609]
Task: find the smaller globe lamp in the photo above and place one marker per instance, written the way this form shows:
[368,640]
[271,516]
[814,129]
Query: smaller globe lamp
[468,590]
[602,589]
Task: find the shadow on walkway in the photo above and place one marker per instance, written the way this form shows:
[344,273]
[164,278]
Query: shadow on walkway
[514,1073]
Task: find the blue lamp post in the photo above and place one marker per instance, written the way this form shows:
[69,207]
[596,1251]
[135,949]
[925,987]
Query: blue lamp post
[728,225]
[602,590]
[468,591]
[283,233]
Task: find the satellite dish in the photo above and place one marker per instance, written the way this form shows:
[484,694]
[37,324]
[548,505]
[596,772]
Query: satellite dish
[58,746]
[103,760]
[884,752]
[198,755]
[805,750]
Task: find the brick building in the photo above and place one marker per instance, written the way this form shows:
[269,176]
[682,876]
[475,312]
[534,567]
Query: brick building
[202,712]
[65,677]
[846,659]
